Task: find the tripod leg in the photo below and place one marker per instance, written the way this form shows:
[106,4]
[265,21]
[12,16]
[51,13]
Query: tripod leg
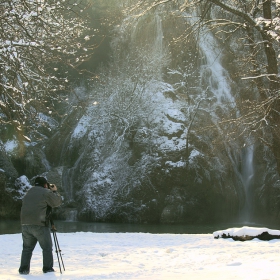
[56,250]
[59,251]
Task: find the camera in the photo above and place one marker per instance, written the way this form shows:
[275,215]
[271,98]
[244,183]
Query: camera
[50,186]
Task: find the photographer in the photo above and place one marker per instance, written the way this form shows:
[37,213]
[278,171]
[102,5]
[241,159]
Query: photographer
[35,205]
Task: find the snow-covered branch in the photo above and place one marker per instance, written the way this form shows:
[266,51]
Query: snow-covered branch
[36,39]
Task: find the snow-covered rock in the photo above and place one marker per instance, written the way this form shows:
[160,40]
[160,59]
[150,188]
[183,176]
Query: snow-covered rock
[21,186]
[247,233]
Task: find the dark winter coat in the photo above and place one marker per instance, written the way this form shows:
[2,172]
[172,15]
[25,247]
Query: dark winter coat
[35,204]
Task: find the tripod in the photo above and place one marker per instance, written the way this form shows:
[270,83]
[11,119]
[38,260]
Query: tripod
[57,248]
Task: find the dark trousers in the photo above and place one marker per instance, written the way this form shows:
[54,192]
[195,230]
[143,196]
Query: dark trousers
[31,234]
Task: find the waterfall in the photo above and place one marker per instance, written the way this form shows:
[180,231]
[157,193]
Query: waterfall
[247,173]
[141,46]
[218,78]
[71,215]
[68,180]
[218,81]
[213,73]
[147,41]
[159,36]
[67,184]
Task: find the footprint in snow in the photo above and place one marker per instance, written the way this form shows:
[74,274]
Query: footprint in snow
[234,264]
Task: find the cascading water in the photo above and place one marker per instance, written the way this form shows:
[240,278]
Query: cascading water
[159,36]
[217,84]
[71,215]
[247,173]
[218,78]
[218,81]
[214,74]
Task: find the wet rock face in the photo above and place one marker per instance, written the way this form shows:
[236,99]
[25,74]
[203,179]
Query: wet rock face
[149,163]
[7,167]
[9,206]
[147,146]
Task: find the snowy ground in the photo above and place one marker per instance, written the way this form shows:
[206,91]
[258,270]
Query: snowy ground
[147,256]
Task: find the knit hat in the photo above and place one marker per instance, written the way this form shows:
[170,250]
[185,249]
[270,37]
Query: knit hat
[40,181]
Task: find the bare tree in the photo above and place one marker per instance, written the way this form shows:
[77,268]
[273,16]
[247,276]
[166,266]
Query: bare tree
[255,23]
[40,40]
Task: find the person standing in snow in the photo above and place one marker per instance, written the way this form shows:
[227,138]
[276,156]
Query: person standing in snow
[36,204]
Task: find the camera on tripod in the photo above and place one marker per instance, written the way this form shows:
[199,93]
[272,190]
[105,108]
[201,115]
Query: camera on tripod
[51,186]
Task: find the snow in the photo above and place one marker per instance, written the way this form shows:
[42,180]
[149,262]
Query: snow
[81,128]
[10,146]
[167,117]
[175,164]
[194,153]
[23,185]
[250,231]
[88,255]
[50,121]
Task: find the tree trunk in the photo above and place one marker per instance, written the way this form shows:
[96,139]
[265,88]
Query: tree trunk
[272,70]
